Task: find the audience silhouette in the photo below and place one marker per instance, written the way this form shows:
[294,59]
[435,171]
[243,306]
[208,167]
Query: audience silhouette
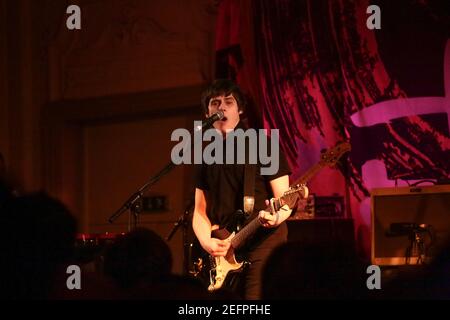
[138,256]
[301,270]
[37,241]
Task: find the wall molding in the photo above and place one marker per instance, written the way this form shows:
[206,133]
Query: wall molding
[65,121]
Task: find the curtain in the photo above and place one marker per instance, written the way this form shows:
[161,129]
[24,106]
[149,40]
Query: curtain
[315,71]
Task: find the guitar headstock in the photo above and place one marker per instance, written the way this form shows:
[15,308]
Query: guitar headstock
[296,192]
[332,156]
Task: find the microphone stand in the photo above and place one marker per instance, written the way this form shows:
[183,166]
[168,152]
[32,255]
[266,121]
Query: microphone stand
[183,221]
[134,202]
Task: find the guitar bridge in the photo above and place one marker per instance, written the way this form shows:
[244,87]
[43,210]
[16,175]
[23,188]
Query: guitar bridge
[212,276]
[212,271]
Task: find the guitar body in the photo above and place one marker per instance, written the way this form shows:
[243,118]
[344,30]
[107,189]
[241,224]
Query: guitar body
[219,272]
[223,270]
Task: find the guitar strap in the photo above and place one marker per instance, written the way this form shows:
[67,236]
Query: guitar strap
[249,188]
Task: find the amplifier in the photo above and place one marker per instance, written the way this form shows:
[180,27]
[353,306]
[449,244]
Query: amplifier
[409,224]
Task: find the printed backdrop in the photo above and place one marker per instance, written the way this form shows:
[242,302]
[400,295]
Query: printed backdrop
[317,73]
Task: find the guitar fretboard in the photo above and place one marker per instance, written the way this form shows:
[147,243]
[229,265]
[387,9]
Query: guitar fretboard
[245,232]
[253,225]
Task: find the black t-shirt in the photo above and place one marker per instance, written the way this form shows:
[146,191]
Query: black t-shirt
[224,186]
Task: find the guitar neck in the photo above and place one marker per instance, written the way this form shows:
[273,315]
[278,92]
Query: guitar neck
[245,232]
[253,225]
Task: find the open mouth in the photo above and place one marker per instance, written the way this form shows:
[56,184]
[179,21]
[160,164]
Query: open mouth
[224,119]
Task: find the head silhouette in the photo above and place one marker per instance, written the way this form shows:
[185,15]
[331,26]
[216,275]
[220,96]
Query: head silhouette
[140,255]
[38,238]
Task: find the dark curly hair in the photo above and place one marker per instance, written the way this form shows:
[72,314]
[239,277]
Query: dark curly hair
[223,87]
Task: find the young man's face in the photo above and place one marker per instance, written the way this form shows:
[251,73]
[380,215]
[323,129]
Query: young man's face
[228,105]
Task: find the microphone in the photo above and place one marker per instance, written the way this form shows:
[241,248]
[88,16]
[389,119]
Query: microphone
[208,122]
[406,228]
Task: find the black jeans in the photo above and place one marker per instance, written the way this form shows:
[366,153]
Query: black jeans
[252,282]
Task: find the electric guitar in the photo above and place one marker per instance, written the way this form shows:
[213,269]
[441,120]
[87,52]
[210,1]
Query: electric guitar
[220,268]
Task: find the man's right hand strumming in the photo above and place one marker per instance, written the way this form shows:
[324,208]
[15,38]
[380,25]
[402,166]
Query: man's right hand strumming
[217,247]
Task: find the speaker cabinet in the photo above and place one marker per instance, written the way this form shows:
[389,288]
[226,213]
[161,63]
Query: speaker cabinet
[409,224]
